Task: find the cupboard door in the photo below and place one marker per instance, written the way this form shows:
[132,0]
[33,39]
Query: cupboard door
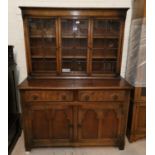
[61,123]
[43,44]
[74,45]
[50,123]
[98,123]
[40,124]
[105,45]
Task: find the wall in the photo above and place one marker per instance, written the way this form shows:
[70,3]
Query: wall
[15,26]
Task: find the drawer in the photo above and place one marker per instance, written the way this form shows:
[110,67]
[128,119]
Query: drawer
[101,95]
[48,96]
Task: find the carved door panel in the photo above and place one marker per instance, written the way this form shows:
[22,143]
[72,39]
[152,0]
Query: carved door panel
[51,123]
[99,123]
[39,124]
[61,123]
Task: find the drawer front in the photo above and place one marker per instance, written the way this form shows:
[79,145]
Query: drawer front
[101,95]
[48,96]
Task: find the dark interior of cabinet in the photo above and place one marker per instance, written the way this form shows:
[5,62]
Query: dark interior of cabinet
[75,45]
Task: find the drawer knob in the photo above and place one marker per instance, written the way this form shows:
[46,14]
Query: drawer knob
[115,97]
[86,98]
[35,97]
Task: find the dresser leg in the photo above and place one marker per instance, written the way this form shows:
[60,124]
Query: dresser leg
[121,143]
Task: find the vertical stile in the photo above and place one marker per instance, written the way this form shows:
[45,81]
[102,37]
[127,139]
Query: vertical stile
[120,48]
[90,45]
[58,42]
[27,45]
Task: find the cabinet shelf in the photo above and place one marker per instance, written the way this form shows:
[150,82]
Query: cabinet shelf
[70,36]
[74,73]
[74,57]
[74,48]
[43,57]
[104,48]
[106,36]
[42,47]
[42,36]
[104,57]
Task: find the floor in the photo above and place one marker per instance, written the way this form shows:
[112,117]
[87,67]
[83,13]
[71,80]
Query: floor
[136,148]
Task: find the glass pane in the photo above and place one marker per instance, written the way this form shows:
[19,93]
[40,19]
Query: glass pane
[43,47]
[43,44]
[104,53]
[104,66]
[71,65]
[41,27]
[74,53]
[74,27]
[106,27]
[114,27]
[41,65]
[74,45]
[105,43]
[105,48]
[100,27]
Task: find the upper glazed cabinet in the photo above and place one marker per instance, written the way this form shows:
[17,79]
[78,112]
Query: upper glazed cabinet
[77,42]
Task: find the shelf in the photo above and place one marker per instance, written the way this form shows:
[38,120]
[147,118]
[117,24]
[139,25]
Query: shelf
[75,37]
[50,72]
[74,48]
[42,36]
[104,57]
[106,37]
[43,57]
[43,47]
[100,73]
[104,48]
[74,73]
[74,57]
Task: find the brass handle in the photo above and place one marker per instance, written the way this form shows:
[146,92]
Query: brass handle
[35,97]
[87,98]
[115,97]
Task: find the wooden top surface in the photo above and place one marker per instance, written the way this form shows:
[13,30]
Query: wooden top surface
[70,8]
[81,11]
[75,84]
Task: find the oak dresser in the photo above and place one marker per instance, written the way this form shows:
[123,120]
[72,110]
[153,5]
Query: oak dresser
[74,95]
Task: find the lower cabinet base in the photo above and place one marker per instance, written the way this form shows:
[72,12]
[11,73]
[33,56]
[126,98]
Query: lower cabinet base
[120,145]
[75,117]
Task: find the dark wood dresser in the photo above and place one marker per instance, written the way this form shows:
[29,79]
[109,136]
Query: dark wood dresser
[74,95]
[14,127]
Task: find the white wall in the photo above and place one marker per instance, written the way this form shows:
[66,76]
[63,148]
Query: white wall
[15,25]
